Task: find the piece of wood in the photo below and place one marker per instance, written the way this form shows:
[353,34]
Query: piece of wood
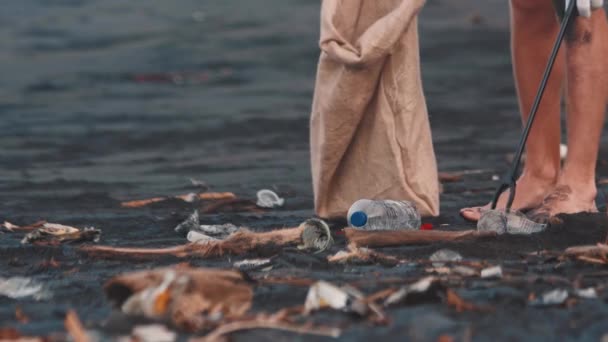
[223,330]
[388,238]
[185,197]
[240,242]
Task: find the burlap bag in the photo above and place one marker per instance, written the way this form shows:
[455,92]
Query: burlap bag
[370,135]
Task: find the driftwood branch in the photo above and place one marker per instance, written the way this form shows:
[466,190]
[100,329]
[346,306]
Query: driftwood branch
[241,242]
[229,328]
[387,238]
[597,254]
[186,198]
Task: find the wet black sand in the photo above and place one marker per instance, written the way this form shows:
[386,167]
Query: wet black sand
[103,101]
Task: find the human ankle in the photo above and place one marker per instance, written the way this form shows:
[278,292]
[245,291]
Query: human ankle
[584,190]
[541,178]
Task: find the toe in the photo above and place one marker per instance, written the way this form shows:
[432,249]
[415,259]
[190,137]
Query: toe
[471,214]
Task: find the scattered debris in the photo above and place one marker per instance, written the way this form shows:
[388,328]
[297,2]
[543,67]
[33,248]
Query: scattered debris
[267,323]
[55,234]
[316,235]
[388,238]
[362,255]
[269,199]
[513,222]
[426,226]
[196,237]
[326,295]
[425,289]
[189,298]
[492,272]
[13,227]
[442,256]
[21,287]
[199,184]
[252,264]
[189,224]
[74,327]
[153,333]
[597,254]
[241,242]
[554,297]
[464,271]
[190,197]
[588,293]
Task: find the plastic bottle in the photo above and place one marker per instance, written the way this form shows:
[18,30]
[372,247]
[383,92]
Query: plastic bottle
[383,215]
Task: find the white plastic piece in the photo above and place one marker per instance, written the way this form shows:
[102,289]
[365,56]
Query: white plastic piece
[269,199]
[492,272]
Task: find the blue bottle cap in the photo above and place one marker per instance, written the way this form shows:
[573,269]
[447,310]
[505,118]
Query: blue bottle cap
[358,219]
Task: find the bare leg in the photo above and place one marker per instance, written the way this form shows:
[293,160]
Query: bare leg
[534,27]
[587,86]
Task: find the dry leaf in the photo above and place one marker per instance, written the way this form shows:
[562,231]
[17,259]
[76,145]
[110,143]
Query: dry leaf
[190,298]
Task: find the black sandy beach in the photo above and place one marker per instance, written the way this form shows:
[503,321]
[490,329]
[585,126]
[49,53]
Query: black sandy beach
[105,101]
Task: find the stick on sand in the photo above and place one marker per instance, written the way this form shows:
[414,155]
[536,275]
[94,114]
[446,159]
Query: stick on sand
[388,238]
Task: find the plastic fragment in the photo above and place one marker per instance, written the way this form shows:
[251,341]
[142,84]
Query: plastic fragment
[194,236]
[492,272]
[191,223]
[444,255]
[464,271]
[323,294]
[58,233]
[252,264]
[513,222]
[269,199]
[22,287]
[421,287]
[554,297]
[588,293]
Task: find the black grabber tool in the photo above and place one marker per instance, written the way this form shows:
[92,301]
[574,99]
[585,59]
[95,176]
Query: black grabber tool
[509,181]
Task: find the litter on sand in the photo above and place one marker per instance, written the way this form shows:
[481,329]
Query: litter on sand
[513,222]
[554,297]
[425,289]
[241,242]
[189,298]
[492,272]
[53,234]
[316,235]
[252,264]
[442,256]
[189,198]
[363,256]
[195,231]
[22,287]
[391,238]
[269,199]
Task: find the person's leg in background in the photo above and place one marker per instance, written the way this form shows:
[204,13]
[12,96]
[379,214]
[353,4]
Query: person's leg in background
[534,27]
[587,96]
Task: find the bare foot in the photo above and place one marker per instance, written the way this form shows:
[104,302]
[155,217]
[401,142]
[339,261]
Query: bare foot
[563,200]
[529,194]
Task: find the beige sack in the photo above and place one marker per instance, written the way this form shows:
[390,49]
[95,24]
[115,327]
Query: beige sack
[370,135]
